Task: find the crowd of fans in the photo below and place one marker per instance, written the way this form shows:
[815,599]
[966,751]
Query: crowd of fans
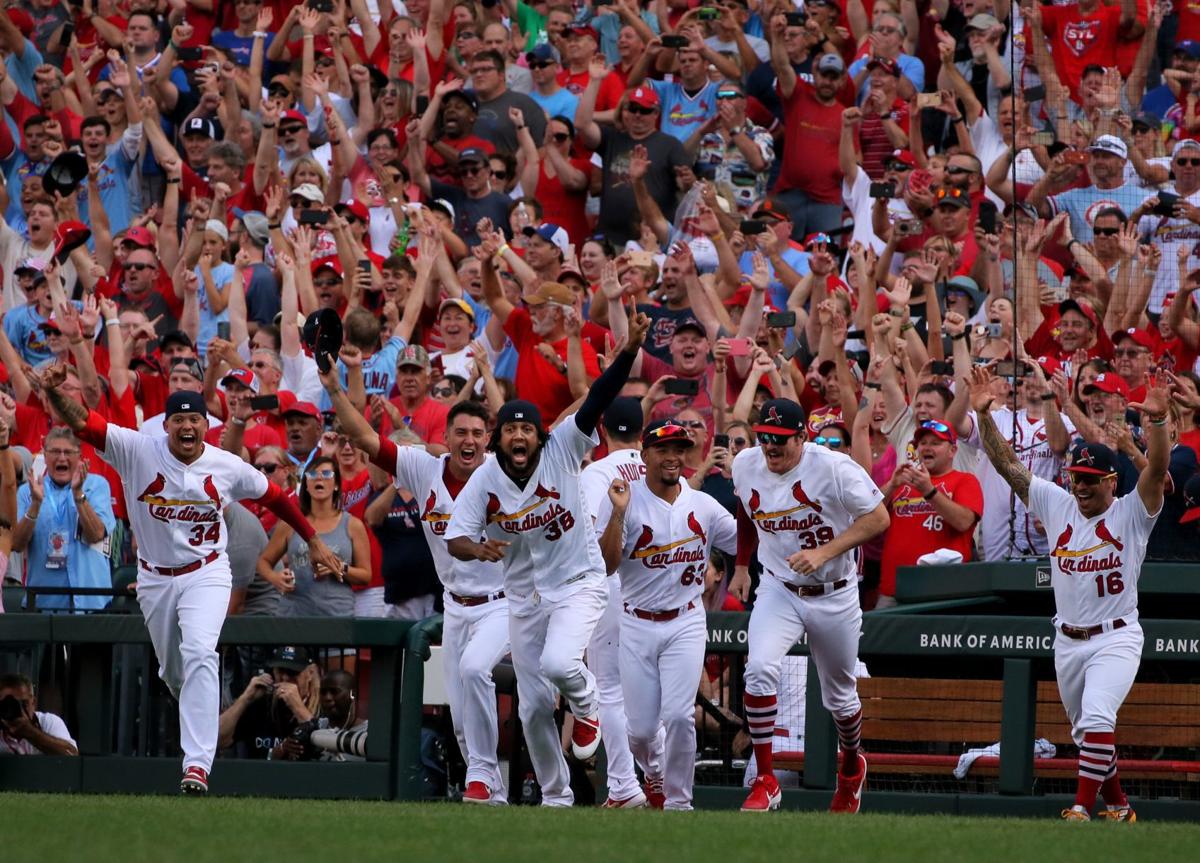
[843,204]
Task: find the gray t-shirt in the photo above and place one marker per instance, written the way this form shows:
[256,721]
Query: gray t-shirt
[492,123]
[319,597]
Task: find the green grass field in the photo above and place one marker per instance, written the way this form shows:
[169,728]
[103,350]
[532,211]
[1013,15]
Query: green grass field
[54,828]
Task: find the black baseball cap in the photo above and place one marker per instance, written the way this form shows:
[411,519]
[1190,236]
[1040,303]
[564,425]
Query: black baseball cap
[185,403]
[1191,500]
[292,658]
[780,416]
[664,432]
[690,323]
[624,417]
[519,411]
[1092,458]
[175,337]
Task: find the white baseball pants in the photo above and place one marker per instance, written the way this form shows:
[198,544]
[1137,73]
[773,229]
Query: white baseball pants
[1094,676]
[184,615]
[547,654]
[832,622]
[603,660]
[661,664]
[474,639]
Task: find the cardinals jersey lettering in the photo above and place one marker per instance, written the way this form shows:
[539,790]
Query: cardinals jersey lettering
[665,551]
[423,475]
[175,508]
[1094,562]
[804,508]
[554,547]
[599,475]
[1007,528]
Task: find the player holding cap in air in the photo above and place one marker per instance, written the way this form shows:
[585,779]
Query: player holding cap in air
[1096,559]
[176,489]
[526,507]
[658,535]
[792,495]
[475,623]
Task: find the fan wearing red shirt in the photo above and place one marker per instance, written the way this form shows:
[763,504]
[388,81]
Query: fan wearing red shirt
[884,117]
[423,414]
[810,183]
[454,110]
[932,506]
[1073,326]
[1087,33]
[1178,333]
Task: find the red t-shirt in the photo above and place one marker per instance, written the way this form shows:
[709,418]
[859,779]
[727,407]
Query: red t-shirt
[566,209]
[356,494]
[1078,40]
[436,165]
[428,419]
[918,529]
[537,380]
[1189,20]
[811,135]
[1044,341]
[873,140]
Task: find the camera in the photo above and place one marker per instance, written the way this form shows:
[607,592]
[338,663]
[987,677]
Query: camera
[11,709]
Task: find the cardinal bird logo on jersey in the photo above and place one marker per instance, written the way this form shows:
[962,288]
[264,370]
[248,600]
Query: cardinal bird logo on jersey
[781,520]
[661,556]
[546,494]
[1063,539]
[523,520]
[1079,36]
[1103,534]
[166,509]
[1083,560]
[439,520]
[798,494]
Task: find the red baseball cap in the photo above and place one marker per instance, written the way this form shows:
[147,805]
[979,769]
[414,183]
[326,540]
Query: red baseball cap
[905,157]
[1108,382]
[139,236]
[356,208]
[295,116]
[22,20]
[643,97]
[887,65]
[1070,305]
[1049,365]
[331,261]
[938,429]
[307,409]
[1140,337]
[242,376]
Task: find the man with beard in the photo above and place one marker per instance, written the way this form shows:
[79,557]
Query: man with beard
[176,488]
[805,508]
[475,630]
[526,508]
[474,200]
[1096,561]
[448,127]
[657,536]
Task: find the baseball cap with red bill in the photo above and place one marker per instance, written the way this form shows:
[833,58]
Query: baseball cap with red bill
[889,66]
[643,97]
[1092,458]
[245,377]
[904,157]
[665,432]
[355,208]
[780,417]
[69,236]
[1070,305]
[1108,382]
[333,262]
[1049,365]
[1191,500]
[1139,337]
[307,409]
[139,236]
[938,429]
[295,116]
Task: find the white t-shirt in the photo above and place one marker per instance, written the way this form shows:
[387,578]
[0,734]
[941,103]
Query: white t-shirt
[1170,234]
[804,508]
[599,475]
[900,435]
[175,508]
[860,203]
[554,551]
[48,722]
[1000,540]
[1094,562]
[424,476]
[665,547]
[153,426]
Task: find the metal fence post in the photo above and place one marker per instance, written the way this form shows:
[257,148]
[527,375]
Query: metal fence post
[1018,720]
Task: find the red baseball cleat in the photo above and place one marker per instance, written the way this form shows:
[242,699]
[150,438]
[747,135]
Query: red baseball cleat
[655,798]
[848,797]
[195,781]
[635,801]
[477,792]
[585,737]
[764,795]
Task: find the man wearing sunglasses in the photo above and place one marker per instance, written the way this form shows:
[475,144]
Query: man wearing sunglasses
[473,200]
[553,98]
[932,506]
[804,508]
[1096,558]
[1181,229]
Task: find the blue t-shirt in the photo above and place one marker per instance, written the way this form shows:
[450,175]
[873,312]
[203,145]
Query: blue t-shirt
[21,70]
[776,292]
[23,326]
[609,28]
[1082,205]
[379,371]
[683,114]
[116,190]
[910,67]
[1159,101]
[222,274]
[563,103]
[16,168]
[239,47]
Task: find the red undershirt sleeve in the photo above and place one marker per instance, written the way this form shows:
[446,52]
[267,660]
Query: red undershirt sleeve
[95,431]
[747,537]
[386,457]
[285,509]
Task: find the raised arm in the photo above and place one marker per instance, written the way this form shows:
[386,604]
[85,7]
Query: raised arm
[1153,408]
[999,451]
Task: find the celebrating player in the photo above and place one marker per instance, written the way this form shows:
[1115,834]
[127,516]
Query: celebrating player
[176,489]
[526,507]
[1095,563]
[792,495]
[658,535]
[475,623]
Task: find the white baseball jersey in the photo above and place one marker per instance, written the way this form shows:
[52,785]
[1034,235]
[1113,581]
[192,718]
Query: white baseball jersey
[1007,528]
[424,476]
[1095,562]
[175,508]
[665,546]
[554,545]
[599,475]
[804,508]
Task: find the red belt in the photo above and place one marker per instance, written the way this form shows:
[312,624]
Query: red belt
[816,589]
[1083,633]
[181,570]
[660,616]
[471,601]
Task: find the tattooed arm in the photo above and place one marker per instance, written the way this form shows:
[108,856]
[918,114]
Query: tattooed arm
[72,412]
[999,450]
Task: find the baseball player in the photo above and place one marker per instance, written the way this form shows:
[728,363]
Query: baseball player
[526,507]
[475,622]
[623,428]
[795,495]
[1096,558]
[176,489]
[657,535]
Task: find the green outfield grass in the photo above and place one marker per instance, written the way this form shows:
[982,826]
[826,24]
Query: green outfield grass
[50,829]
